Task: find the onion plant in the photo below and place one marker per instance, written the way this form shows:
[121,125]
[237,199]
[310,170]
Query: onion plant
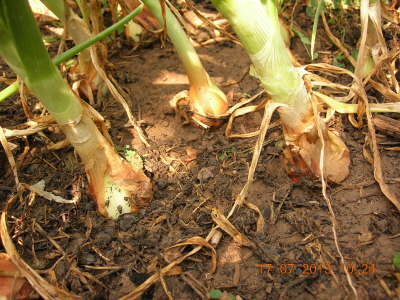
[88,80]
[256,24]
[369,43]
[204,102]
[372,45]
[116,186]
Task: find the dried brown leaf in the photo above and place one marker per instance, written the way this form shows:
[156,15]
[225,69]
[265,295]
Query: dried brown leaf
[227,226]
[324,193]
[199,241]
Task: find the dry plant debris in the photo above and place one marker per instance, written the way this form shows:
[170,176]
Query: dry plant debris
[174,243]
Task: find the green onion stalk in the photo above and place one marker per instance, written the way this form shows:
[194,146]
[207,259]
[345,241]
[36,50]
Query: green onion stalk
[256,24]
[116,186]
[204,103]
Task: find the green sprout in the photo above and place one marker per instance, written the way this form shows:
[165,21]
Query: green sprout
[216,294]
[396,260]
[227,153]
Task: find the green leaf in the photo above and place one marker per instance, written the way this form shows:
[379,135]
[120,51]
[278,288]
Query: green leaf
[340,55]
[396,260]
[303,38]
[231,150]
[354,54]
[51,39]
[337,64]
[310,12]
[70,62]
[130,153]
[315,25]
[71,52]
[313,3]
[215,294]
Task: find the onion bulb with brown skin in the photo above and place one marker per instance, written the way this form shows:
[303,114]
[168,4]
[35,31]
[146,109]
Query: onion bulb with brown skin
[111,178]
[116,186]
[204,104]
[201,105]
[256,24]
[302,155]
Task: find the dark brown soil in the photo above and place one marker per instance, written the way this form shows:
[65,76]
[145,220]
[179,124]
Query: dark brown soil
[294,257]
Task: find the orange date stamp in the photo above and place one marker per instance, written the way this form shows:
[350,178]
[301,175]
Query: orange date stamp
[306,269]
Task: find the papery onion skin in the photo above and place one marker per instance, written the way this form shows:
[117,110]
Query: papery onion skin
[105,168]
[301,158]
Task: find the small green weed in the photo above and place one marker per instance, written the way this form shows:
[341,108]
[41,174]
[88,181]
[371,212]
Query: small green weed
[338,60]
[131,156]
[336,4]
[306,41]
[227,153]
[396,260]
[216,294]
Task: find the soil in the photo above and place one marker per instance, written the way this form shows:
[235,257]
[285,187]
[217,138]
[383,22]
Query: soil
[195,172]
